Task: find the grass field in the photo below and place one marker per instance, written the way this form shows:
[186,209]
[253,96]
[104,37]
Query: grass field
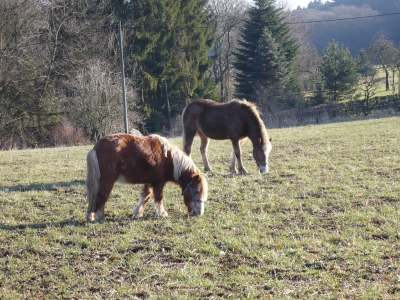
[322,224]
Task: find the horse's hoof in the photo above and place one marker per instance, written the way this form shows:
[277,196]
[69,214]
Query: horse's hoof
[138,212]
[164,214]
[90,217]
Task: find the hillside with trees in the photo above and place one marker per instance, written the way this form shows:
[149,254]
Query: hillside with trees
[60,76]
[59,64]
[355,27]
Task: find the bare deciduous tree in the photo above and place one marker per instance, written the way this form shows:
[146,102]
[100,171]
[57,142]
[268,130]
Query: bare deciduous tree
[306,67]
[397,64]
[95,100]
[369,80]
[383,50]
[19,68]
[41,44]
[229,17]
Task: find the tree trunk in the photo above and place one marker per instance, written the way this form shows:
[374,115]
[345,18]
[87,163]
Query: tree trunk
[387,80]
[398,78]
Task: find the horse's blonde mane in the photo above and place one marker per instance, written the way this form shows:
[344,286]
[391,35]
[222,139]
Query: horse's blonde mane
[253,108]
[181,162]
[165,145]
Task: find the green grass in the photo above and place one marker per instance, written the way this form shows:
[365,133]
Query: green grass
[322,224]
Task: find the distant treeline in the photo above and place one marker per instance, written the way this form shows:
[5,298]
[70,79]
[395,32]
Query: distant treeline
[355,33]
[328,112]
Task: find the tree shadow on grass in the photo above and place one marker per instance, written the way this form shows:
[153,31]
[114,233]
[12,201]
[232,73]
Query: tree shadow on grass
[42,186]
[43,225]
[72,222]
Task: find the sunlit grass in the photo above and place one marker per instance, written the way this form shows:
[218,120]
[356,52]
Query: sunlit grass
[322,224]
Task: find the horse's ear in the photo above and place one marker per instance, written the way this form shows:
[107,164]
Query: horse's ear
[270,139]
[196,178]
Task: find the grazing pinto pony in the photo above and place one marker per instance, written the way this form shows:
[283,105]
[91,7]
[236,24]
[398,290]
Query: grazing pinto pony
[149,160]
[235,120]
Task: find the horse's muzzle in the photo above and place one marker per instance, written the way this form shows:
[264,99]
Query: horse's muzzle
[196,207]
[196,213]
[263,169]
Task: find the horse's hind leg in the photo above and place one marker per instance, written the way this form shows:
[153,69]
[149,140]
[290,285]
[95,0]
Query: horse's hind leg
[158,201]
[102,197]
[146,195]
[204,142]
[187,139]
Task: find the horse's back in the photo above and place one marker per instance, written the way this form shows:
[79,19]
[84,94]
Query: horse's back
[136,158]
[204,107]
[196,108]
[214,120]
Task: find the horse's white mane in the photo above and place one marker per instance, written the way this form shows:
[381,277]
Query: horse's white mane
[165,145]
[135,132]
[182,162]
[253,108]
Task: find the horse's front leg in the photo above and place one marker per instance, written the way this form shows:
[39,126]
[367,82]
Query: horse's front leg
[204,142]
[158,201]
[232,166]
[146,195]
[237,152]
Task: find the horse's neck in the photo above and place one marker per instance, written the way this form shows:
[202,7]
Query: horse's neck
[255,132]
[184,180]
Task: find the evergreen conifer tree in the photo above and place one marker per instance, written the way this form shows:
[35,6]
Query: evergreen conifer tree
[269,62]
[167,43]
[264,17]
[339,71]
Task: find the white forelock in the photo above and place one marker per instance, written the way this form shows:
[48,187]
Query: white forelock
[182,162]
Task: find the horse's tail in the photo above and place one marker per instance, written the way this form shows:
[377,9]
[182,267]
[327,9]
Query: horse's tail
[92,183]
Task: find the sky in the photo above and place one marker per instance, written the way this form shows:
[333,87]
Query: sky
[294,3]
[302,3]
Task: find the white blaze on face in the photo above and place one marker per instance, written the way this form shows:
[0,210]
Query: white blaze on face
[196,203]
[197,208]
[202,208]
[267,149]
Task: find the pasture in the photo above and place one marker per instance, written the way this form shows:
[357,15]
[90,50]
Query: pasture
[322,224]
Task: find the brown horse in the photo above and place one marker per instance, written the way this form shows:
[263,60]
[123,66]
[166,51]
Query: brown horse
[235,120]
[149,160]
